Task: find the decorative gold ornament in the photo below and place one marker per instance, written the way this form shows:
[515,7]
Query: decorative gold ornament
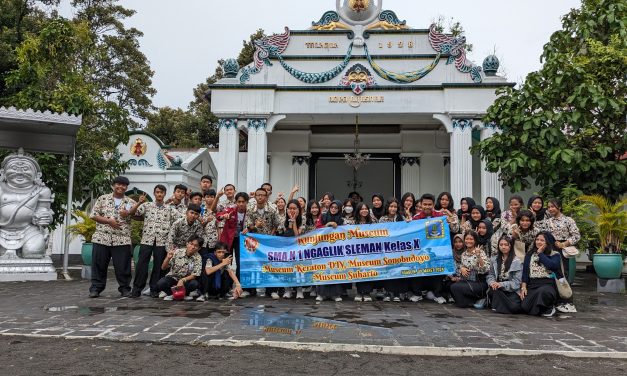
[359,5]
[138,148]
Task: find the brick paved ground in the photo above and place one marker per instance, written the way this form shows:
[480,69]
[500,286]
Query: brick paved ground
[62,309]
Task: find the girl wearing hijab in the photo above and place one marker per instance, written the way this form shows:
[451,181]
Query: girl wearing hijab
[333,217]
[378,208]
[408,200]
[348,211]
[477,214]
[466,204]
[536,205]
[493,212]
[444,204]
[504,278]
[538,291]
[458,250]
[485,234]
[470,290]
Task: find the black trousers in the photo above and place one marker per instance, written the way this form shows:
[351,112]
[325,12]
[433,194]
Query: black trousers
[165,284]
[364,288]
[209,283]
[432,283]
[141,269]
[101,256]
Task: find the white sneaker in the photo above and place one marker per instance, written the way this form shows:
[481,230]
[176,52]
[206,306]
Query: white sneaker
[319,298]
[415,298]
[188,298]
[387,298]
[162,295]
[287,294]
[168,298]
[430,295]
[274,296]
[359,298]
[451,300]
[300,295]
[201,298]
[397,299]
[245,294]
[337,299]
[194,294]
[439,300]
[367,298]
[313,293]
[566,308]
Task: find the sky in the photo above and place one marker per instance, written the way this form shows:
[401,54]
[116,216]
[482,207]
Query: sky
[184,39]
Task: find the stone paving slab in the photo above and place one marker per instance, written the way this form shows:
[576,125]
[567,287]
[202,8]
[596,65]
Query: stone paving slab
[62,309]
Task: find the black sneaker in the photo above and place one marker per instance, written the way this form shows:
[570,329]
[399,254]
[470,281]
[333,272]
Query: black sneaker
[549,312]
[94,294]
[154,294]
[136,294]
[127,294]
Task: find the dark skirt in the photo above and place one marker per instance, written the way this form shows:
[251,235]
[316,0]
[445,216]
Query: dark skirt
[466,293]
[329,291]
[506,302]
[541,296]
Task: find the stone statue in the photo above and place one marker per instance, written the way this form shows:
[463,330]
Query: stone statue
[24,208]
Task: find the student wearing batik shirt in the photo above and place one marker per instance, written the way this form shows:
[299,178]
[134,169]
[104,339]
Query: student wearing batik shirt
[234,222]
[210,233]
[281,212]
[524,230]
[225,199]
[177,201]
[470,290]
[465,206]
[504,278]
[268,188]
[196,198]
[220,272]
[158,218]
[515,206]
[185,266]
[493,212]
[183,228]
[348,212]
[538,290]
[477,214]
[566,233]
[206,183]
[536,205]
[458,249]
[112,239]
[444,204]
[261,219]
[393,287]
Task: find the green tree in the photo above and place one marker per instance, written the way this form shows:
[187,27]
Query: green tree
[566,123]
[90,66]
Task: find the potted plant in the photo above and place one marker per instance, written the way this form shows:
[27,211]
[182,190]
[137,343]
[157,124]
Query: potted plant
[85,228]
[610,221]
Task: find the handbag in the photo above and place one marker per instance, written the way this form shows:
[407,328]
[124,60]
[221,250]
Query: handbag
[563,288]
[520,250]
[570,252]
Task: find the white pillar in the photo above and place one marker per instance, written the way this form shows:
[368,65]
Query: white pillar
[229,152]
[461,159]
[300,174]
[410,173]
[256,172]
[490,184]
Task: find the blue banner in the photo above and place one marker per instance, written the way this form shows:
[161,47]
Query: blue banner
[347,254]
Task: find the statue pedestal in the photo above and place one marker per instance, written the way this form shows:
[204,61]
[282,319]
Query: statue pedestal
[13,268]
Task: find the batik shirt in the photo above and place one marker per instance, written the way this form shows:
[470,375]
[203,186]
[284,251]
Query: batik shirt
[210,234]
[225,203]
[267,215]
[281,219]
[181,231]
[349,220]
[106,207]
[158,220]
[180,208]
[182,265]
[232,266]
[538,270]
[471,261]
[563,228]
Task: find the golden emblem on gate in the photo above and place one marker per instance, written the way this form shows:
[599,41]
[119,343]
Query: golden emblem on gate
[359,5]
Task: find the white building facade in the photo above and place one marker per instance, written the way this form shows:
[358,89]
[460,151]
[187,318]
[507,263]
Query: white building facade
[416,97]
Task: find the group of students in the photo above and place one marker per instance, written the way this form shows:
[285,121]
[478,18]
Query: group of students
[507,260]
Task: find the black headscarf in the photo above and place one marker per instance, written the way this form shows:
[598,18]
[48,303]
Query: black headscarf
[496,211]
[471,204]
[485,239]
[378,212]
[474,224]
[337,218]
[540,214]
